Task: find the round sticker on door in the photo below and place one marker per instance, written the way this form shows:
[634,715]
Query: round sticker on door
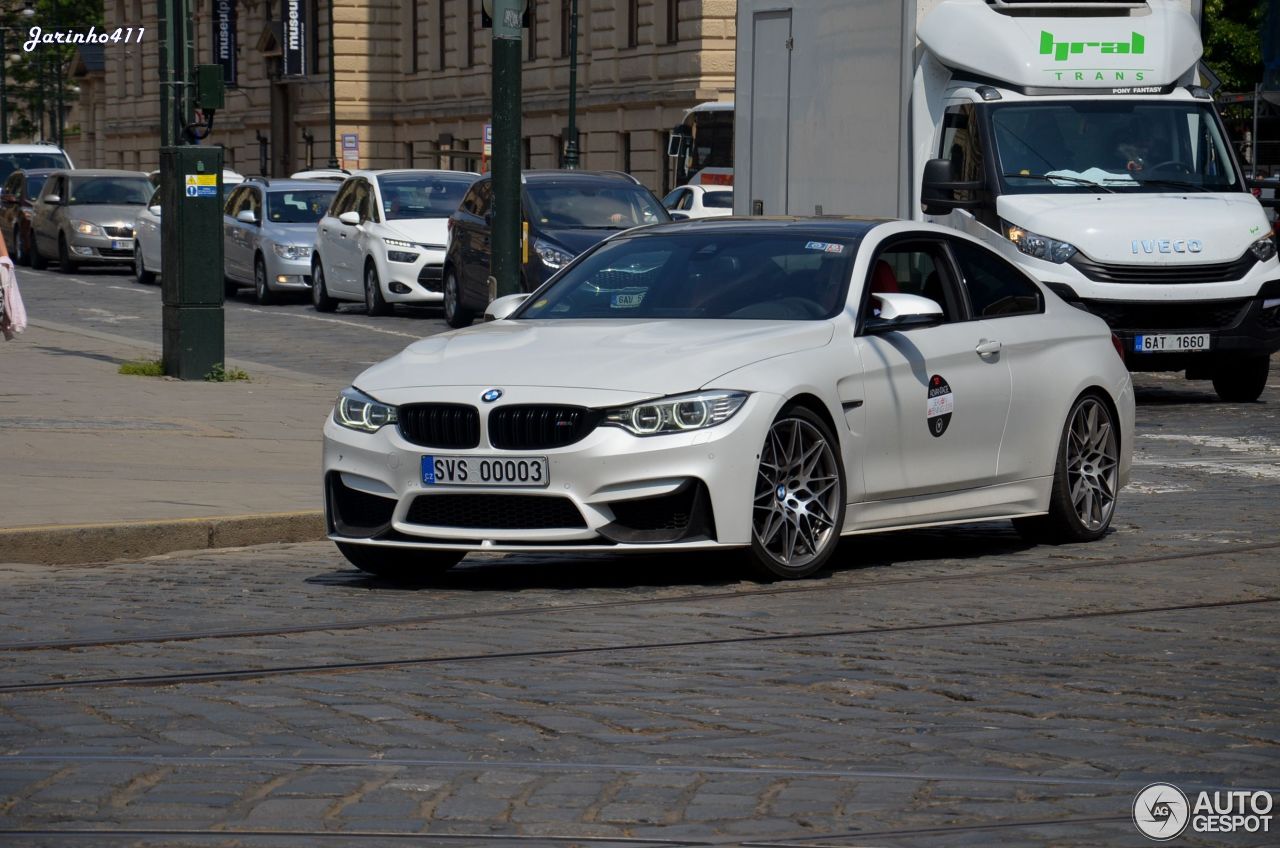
[941,404]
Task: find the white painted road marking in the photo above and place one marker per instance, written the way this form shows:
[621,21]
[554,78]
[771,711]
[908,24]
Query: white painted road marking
[413,336]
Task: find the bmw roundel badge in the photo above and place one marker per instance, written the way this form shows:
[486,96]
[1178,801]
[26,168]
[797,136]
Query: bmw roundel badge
[491,395]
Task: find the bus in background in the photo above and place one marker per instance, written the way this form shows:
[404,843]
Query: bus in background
[702,146]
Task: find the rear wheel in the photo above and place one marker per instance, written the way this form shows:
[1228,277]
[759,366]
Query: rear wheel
[455,314]
[140,272]
[1086,478]
[65,262]
[1242,380]
[374,303]
[319,294]
[21,256]
[261,289]
[798,509]
[398,564]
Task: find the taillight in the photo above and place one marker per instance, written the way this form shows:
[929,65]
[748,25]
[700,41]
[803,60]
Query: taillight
[1118,345]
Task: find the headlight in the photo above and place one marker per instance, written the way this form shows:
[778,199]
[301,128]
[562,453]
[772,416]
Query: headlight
[1041,247]
[677,414]
[88,228]
[357,411]
[551,256]
[1264,248]
[292,251]
[390,242]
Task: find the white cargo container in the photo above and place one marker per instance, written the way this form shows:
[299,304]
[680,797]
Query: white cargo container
[1072,136]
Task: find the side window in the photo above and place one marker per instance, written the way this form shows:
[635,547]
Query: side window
[342,201]
[361,202]
[961,145]
[231,207]
[918,268]
[469,201]
[996,287]
[686,202]
[484,197]
[155,198]
[11,185]
[672,200]
[253,202]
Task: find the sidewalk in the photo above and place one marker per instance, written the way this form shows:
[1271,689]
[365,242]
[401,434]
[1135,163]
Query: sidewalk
[99,466]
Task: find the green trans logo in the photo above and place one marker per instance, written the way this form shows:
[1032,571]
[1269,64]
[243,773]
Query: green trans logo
[1061,50]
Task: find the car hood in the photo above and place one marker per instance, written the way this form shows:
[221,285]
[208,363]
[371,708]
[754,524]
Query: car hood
[1151,229]
[291,233]
[649,358]
[419,230]
[110,214]
[575,241]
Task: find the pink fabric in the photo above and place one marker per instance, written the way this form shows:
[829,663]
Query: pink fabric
[15,314]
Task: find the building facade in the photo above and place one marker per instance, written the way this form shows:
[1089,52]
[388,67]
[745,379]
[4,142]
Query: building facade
[412,83]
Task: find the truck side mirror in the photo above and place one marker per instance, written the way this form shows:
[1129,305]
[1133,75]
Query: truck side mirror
[939,186]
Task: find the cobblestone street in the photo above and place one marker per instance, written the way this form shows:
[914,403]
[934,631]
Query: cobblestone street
[938,688]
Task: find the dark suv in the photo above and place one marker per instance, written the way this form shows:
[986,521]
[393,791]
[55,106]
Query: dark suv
[564,213]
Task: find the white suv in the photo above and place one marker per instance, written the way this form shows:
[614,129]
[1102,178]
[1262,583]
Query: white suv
[384,238]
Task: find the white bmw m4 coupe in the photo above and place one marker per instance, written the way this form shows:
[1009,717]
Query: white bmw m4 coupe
[764,385]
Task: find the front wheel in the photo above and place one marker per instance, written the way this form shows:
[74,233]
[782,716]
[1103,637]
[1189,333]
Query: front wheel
[21,255]
[1086,478]
[261,288]
[374,303]
[1242,380]
[398,564]
[65,262]
[798,509]
[455,314]
[319,294]
[140,272]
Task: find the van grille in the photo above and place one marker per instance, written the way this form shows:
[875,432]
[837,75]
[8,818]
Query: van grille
[1215,272]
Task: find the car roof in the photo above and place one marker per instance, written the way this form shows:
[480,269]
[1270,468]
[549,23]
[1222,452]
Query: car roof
[30,148]
[832,226]
[36,172]
[99,172]
[293,185]
[551,176]
[433,171]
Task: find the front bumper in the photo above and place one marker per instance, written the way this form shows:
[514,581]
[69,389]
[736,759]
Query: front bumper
[419,281]
[609,491]
[287,274]
[100,248]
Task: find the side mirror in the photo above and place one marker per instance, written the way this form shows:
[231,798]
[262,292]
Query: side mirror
[504,306]
[678,216]
[899,311]
[53,198]
[246,216]
[939,187]
[154,210]
[351,219]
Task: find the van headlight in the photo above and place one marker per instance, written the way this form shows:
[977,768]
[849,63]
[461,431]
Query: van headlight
[676,414]
[1034,244]
[357,411]
[1264,248]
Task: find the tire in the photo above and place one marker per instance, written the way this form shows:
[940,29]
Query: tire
[374,302]
[38,261]
[319,293]
[140,272]
[261,289]
[21,255]
[798,509]
[1241,380]
[65,262]
[397,564]
[1086,478]
[455,314]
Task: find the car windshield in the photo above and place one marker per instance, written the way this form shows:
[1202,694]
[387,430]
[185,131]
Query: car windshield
[559,206]
[407,196]
[718,199]
[1093,145]
[35,182]
[10,162]
[306,206]
[102,191]
[746,275]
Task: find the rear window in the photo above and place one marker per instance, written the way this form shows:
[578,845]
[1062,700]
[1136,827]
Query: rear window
[718,200]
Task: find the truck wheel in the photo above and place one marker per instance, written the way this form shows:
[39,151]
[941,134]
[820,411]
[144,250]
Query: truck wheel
[1241,380]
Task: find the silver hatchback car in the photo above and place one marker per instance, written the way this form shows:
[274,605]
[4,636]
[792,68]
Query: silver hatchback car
[86,216]
[269,229]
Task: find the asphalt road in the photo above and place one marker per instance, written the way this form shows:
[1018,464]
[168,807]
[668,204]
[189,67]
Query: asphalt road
[335,346]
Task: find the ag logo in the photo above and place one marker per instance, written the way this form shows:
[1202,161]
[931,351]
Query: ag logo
[940,405]
[1161,811]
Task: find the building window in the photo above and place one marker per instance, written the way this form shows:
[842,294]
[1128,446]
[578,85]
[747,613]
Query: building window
[673,21]
[633,23]
[414,35]
[441,21]
[313,36]
[665,139]
[531,41]
[566,9]
[469,25]
[624,144]
[528,152]
[137,54]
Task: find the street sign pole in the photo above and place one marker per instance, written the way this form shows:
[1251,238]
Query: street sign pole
[507,18]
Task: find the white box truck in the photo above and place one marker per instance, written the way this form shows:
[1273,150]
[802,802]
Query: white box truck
[1072,136]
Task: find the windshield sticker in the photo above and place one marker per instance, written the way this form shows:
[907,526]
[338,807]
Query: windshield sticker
[825,246]
[940,405]
[627,301]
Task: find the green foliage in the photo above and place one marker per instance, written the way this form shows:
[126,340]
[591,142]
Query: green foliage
[32,77]
[219,373]
[143,368]
[1233,42]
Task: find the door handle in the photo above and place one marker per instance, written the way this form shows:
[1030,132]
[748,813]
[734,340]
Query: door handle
[987,347]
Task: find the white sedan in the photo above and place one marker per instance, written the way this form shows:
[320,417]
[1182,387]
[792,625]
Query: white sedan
[762,385]
[384,237]
[699,201]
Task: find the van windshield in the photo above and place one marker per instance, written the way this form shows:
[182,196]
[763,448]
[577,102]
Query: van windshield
[1118,145]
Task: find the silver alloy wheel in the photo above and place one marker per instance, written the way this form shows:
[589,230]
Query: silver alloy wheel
[1092,464]
[369,303]
[317,286]
[797,494]
[260,281]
